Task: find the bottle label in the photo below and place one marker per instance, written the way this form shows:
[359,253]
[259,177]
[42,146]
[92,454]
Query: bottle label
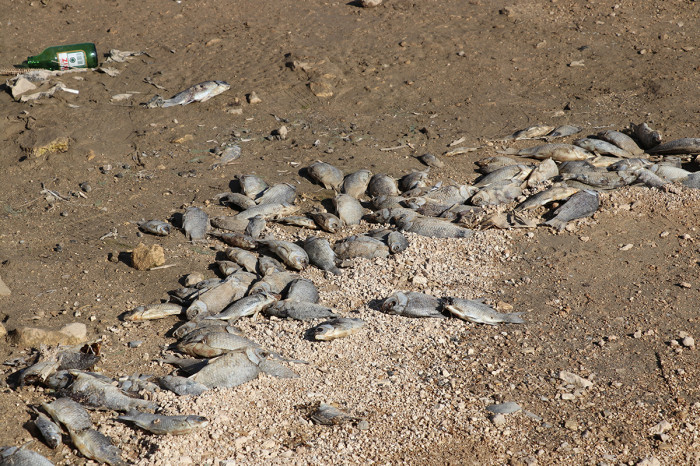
[75,59]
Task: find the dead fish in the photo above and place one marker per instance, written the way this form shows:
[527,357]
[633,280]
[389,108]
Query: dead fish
[101,394]
[97,446]
[182,385]
[268,211]
[276,369]
[355,184]
[599,146]
[156,227]
[582,204]
[229,154]
[603,161]
[556,152]
[336,328]
[327,221]
[229,370]
[453,194]
[283,193]
[68,412]
[230,223]
[213,344]
[267,265]
[238,240]
[621,140]
[244,258]
[416,179]
[387,202]
[301,221]
[20,456]
[245,307]
[382,185]
[647,137]
[330,415]
[137,383]
[154,311]
[227,267]
[49,430]
[629,164]
[555,193]
[217,298]
[188,365]
[563,131]
[431,227]
[412,304]
[273,283]
[348,209]
[507,220]
[478,312]
[546,170]
[678,146]
[195,222]
[669,173]
[255,227]
[431,160]
[360,246]
[235,200]
[491,164]
[326,174]
[299,310]
[649,178]
[205,326]
[252,185]
[602,180]
[578,166]
[321,254]
[531,132]
[198,93]
[302,290]
[496,194]
[396,240]
[162,425]
[517,172]
[40,371]
[292,255]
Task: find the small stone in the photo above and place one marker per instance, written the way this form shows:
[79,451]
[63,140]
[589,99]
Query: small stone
[4,290]
[637,334]
[183,139]
[321,89]
[44,141]
[193,278]
[498,420]
[568,396]
[685,285]
[585,239]
[363,425]
[3,330]
[663,234]
[21,86]
[113,257]
[574,379]
[660,428]
[571,424]
[253,98]
[135,343]
[71,334]
[85,187]
[269,444]
[504,408]
[144,257]
[370,3]
[280,133]
[688,342]
[626,247]
[419,280]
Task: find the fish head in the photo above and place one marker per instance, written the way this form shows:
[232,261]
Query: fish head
[321,332]
[395,303]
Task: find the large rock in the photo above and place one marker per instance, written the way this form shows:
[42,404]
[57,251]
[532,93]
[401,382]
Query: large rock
[146,257]
[71,334]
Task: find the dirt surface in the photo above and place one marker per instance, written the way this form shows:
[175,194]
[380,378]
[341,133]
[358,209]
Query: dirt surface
[347,82]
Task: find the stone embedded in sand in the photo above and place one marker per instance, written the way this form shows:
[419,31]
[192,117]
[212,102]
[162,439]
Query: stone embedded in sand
[21,86]
[44,141]
[146,257]
[321,89]
[4,290]
[71,334]
[3,330]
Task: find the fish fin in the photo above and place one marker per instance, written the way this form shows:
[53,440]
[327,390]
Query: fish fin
[556,223]
[508,151]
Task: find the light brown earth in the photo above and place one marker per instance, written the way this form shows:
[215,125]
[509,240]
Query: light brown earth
[407,73]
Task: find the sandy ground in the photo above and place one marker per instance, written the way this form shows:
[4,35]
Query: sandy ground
[348,82]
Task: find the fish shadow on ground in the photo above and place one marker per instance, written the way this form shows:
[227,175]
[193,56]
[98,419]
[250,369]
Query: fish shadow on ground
[309,335]
[235,186]
[176,219]
[125,257]
[375,304]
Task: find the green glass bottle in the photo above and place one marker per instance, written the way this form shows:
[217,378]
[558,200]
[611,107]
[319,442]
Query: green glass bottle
[64,57]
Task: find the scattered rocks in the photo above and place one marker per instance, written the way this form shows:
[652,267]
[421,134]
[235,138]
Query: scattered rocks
[660,428]
[71,334]
[146,257]
[649,461]
[573,379]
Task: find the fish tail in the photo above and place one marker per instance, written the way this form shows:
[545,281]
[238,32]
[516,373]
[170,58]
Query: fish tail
[508,151]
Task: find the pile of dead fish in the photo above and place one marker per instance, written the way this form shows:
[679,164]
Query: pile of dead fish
[260,273]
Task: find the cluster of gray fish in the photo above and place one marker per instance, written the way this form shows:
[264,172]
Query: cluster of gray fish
[260,274]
